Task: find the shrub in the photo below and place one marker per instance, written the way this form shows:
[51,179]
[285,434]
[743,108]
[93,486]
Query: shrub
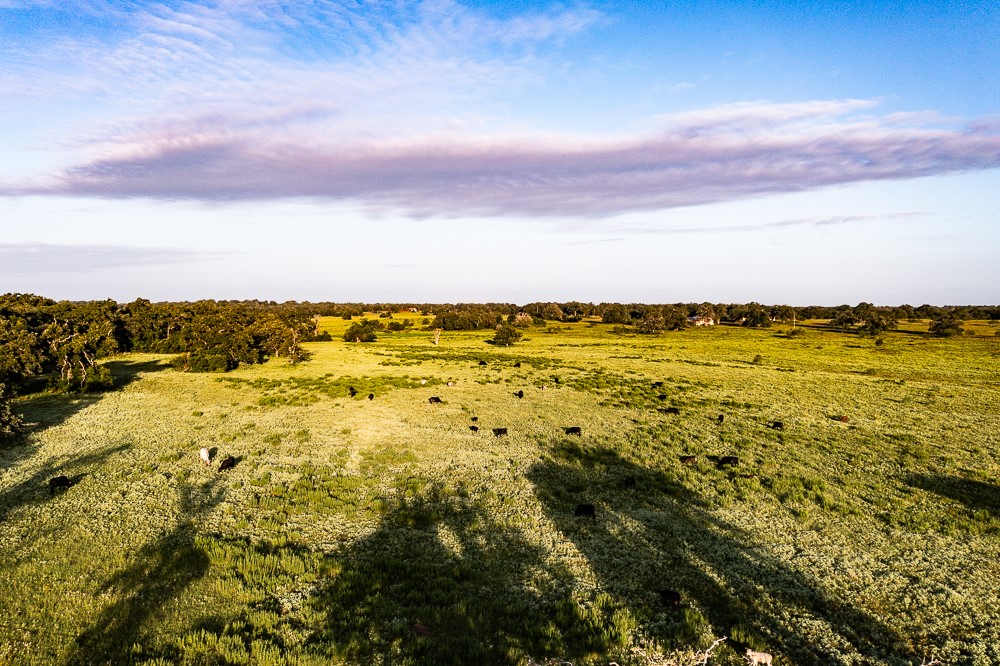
[361,331]
[505,336]
[203,362]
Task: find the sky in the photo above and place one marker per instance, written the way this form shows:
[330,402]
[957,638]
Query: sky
[506,151]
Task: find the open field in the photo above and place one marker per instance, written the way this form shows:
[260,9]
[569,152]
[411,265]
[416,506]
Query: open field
[385,531]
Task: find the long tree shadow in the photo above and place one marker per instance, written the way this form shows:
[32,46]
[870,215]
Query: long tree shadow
[443,582]
[162,570]
[976,495]
[35,489]
[49,410]
[649,533]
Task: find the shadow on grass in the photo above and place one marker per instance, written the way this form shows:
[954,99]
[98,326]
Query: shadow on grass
[443,582]
[975,495]
[35,488]
[659,537]
[47,411]
[162,570]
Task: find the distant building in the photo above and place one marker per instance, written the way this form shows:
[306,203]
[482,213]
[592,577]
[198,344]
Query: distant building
[701,321]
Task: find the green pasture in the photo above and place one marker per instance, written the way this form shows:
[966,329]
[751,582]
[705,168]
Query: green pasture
[385,531]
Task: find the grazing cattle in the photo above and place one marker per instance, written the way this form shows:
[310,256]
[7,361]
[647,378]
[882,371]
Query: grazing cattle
[673,410]
[842,419]
[662,396]
[451,383]
[555,379]
[722,417]
[670,598]
[519,394]
[657,385]
[777,425]
[689,460]
[499,432]
[353,391]
[474,419]
[434,400]
[228,463]
[629,482]
[757,658]
[419,629]
[59,483]
[206,457]
[729,461]
[585,511]
[423,381]
[482,363]
[474,428]
[371,396]
[517,365]
[573,430]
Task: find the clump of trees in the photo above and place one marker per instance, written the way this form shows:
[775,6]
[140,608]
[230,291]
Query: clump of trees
[505,336]
[64,342]
[945,325]
[363,331]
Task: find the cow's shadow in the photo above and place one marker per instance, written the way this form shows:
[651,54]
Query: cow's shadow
[658,536]
[442,581]
[160,572]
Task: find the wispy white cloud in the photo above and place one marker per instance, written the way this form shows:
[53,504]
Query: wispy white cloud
[392,107]
[40,258]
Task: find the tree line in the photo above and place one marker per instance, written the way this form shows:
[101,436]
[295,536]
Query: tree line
[61,342]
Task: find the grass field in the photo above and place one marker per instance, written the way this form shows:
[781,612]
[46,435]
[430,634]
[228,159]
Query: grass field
[385,531]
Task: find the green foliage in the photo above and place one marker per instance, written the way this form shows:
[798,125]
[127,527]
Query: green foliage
[9,421]
[361,331]
[945,325]
[506,335]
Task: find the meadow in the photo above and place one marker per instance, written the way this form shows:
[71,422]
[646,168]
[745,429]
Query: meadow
[386,531]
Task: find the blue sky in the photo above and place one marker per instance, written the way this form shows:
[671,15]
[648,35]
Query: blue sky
[501,151]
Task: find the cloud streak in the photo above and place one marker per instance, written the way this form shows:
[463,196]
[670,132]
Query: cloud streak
[47,258]
[719,155]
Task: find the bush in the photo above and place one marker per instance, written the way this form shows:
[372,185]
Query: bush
[945,325]
[361,331]
[9,421]
[505,336]
[203,362]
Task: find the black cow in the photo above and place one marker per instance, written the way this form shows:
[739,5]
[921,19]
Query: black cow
[482,363]
[573,430]
[59,483]
[657,385]
[629,482]
[474,428]
[689,460]
[474,419]
[672,410]
[353,391]
[729,461]
[777,425]
[517,365]
[585,511]
[499,431]
[722,417]
[228,463]
[519,394]
[434,400]
[671,598]
[662,396]
[371,396]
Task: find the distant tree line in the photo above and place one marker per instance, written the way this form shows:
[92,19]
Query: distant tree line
[61,342]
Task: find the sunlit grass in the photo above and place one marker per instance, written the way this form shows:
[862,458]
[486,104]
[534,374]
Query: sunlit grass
[386,531]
